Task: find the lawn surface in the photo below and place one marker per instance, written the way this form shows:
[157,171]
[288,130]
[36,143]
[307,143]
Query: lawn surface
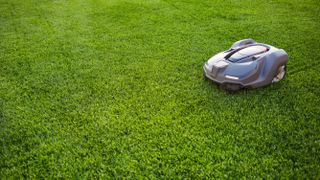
[114,88]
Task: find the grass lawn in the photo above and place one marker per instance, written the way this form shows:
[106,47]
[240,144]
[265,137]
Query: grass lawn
[114,88]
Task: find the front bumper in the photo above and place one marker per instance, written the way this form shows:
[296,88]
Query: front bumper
[217,75]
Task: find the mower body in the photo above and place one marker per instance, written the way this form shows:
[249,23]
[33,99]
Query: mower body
[247,64]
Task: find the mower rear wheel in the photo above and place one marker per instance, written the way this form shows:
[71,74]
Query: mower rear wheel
[281,74]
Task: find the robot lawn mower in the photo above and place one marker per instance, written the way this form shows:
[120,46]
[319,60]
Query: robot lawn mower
[247,64]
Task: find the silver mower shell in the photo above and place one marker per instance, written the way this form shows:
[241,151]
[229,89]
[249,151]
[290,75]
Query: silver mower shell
[247,64]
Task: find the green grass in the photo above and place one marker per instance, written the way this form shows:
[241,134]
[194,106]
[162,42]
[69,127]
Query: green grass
[114,88]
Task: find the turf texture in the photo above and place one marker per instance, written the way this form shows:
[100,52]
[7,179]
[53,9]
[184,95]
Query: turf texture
[114,89]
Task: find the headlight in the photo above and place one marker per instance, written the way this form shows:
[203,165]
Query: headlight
[232,77]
